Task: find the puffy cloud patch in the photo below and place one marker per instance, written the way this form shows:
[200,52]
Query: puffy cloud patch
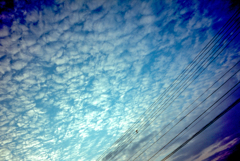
[18,65]
[214,149]
[74,75]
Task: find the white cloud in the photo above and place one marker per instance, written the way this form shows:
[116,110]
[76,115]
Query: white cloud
[5,65]
[32,16]
[18,65]
[69,72]
[4,31]
[93,4]
[214,149]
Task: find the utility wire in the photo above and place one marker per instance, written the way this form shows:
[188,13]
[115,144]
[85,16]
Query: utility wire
[184,117]
[185,70]
[139,119]
[195,101]
[188,129]
[196,119]
[188,113]
[199,69]
[205,63]
[204,128]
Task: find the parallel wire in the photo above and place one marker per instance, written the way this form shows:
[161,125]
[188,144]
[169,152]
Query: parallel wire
[139,119]
[198,56]
[193,103]
[193,125]
[188,112]
[204,128]
[196,119]
[172,85]
[219,53]
[198,70]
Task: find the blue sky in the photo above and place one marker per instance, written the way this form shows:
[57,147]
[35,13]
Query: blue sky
[75,75]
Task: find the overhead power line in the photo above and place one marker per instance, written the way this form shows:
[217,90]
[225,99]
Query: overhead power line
[152,119]
[204,128]
[174,83]
[129,134]
[199,117]
[191,105]
[181,119]
[177,79]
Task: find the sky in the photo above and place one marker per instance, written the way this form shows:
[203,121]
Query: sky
[76,74]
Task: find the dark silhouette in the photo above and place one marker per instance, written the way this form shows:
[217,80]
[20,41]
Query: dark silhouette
[234,4]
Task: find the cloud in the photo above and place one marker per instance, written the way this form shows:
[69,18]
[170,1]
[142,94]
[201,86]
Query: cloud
[215,148]
[75,75]
[4,31]
[18,65]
